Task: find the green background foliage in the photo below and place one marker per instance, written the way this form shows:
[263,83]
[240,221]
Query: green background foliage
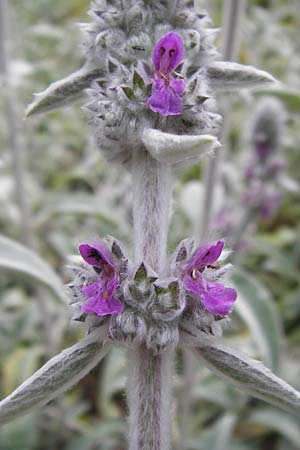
[72,194]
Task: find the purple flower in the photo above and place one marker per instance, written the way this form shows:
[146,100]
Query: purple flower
[167,92]
[215,297]
[101,294]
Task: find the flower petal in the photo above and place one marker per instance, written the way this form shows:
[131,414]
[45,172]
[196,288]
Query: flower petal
[168,53]
[192,284]
[97,255]
[165,100]
[218,299]
[101,298]
[205,255]
[177,85]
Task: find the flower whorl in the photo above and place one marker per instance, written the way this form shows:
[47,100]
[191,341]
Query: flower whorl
[121,39]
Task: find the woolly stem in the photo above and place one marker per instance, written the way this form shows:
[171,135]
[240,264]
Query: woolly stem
[149,399]
[233,14]
[149,373]
[151,198]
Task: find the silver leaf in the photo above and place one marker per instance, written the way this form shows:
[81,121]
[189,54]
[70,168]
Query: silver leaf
[64,91]
[58,375]
[172,148]
[230,76]
[250,376]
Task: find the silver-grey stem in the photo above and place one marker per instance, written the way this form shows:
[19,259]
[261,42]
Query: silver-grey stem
[149,373]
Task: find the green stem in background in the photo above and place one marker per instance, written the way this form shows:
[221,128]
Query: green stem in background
[18,167]
[149,378]
[233,15]
[13,126]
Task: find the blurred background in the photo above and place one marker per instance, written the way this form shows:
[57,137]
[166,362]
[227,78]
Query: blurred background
[57,190]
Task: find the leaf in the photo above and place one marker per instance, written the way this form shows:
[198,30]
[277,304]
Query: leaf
[87,205]
[17,257]
[15,436]
[250,376]
[172,148]
[290,97]
[112,382]
[256,308]
[217,437]
[56,376]
[64,91]
[19,365]
[224,75]
[214,391]
[108,435]
[222,432]
[277,261]
[283,423]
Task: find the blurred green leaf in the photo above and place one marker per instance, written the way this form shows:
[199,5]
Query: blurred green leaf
[112,382]
[20,435]
[278,421]
[256,308]
[87,205]
[217,437]
[19,366]
[16,257]
[277,260]
[290,97]
[105,435]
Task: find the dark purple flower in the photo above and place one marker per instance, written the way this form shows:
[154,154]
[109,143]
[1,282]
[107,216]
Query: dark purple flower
[167,91]
[215,297]
[101,294]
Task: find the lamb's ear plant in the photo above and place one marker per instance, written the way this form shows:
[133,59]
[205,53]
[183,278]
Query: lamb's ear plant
[149,73]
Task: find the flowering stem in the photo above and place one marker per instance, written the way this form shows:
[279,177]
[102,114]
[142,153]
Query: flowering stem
[149,373]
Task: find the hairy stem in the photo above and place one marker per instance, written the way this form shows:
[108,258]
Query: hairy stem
[149,373]
[149,400]
[151,198]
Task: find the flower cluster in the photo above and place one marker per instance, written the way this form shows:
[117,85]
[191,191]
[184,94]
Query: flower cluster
[260,189]
[141,307]
[154,75]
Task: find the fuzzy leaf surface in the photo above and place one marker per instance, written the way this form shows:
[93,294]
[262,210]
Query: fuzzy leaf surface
[230,76]
[171,148]
[58,375]
[250,376]
[63,92]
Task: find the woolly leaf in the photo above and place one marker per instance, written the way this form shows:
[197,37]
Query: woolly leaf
[172,148]
[56,376]
[229,76]
[250,376]
[64,91]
